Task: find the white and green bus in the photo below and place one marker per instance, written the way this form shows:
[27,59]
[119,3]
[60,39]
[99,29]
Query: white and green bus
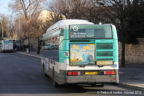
[6,45]
[77,51]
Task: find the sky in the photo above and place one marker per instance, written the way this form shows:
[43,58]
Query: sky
[4,9]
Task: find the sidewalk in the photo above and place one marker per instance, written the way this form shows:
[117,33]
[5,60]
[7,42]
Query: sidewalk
[129,76]
[132,77]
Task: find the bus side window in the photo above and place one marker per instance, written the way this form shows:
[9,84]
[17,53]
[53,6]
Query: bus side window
[62,32]
[61,35]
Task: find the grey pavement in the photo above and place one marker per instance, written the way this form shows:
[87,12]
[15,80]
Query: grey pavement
[131,76]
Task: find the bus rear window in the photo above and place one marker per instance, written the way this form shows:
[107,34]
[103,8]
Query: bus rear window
[90,31]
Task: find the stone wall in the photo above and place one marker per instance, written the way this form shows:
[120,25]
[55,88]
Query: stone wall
[134,53]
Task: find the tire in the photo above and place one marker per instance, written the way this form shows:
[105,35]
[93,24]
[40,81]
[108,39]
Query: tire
[54,81]
[43,68]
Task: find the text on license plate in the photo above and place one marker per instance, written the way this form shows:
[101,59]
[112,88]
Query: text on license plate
[104,62]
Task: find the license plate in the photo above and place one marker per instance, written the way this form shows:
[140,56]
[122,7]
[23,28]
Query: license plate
[104,62]
[91,73]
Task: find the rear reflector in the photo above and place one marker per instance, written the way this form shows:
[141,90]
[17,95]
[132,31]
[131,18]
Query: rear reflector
[73,73]
[109,72]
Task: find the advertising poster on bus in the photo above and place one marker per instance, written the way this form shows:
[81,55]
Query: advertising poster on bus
[82,54]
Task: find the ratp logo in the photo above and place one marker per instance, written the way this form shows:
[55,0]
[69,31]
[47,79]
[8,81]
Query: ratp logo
[75,28]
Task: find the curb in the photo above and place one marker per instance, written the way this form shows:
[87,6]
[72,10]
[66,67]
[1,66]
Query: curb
[29,54]
[131,86]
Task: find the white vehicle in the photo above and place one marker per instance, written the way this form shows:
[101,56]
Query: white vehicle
[78,51]
[6,45]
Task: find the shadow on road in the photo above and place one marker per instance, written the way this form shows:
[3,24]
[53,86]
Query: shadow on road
[44,86]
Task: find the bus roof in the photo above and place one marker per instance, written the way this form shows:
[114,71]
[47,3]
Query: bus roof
[67,22]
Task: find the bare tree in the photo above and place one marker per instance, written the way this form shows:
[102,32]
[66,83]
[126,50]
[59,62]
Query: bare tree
[11,29]
[4,26]
[27,8]
[117,11]
[71,8]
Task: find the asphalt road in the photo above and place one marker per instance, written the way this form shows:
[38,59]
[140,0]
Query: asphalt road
[21,75]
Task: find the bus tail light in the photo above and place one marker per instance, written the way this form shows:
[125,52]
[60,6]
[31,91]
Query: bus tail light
[73,73]
[109,72]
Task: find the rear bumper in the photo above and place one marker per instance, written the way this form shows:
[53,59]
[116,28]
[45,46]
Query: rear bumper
[87,79]
[93,79]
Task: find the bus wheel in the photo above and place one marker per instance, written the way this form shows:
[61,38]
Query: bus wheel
[54,81]
[43,69]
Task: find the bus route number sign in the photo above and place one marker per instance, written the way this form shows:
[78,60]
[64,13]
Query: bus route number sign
[76,33]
